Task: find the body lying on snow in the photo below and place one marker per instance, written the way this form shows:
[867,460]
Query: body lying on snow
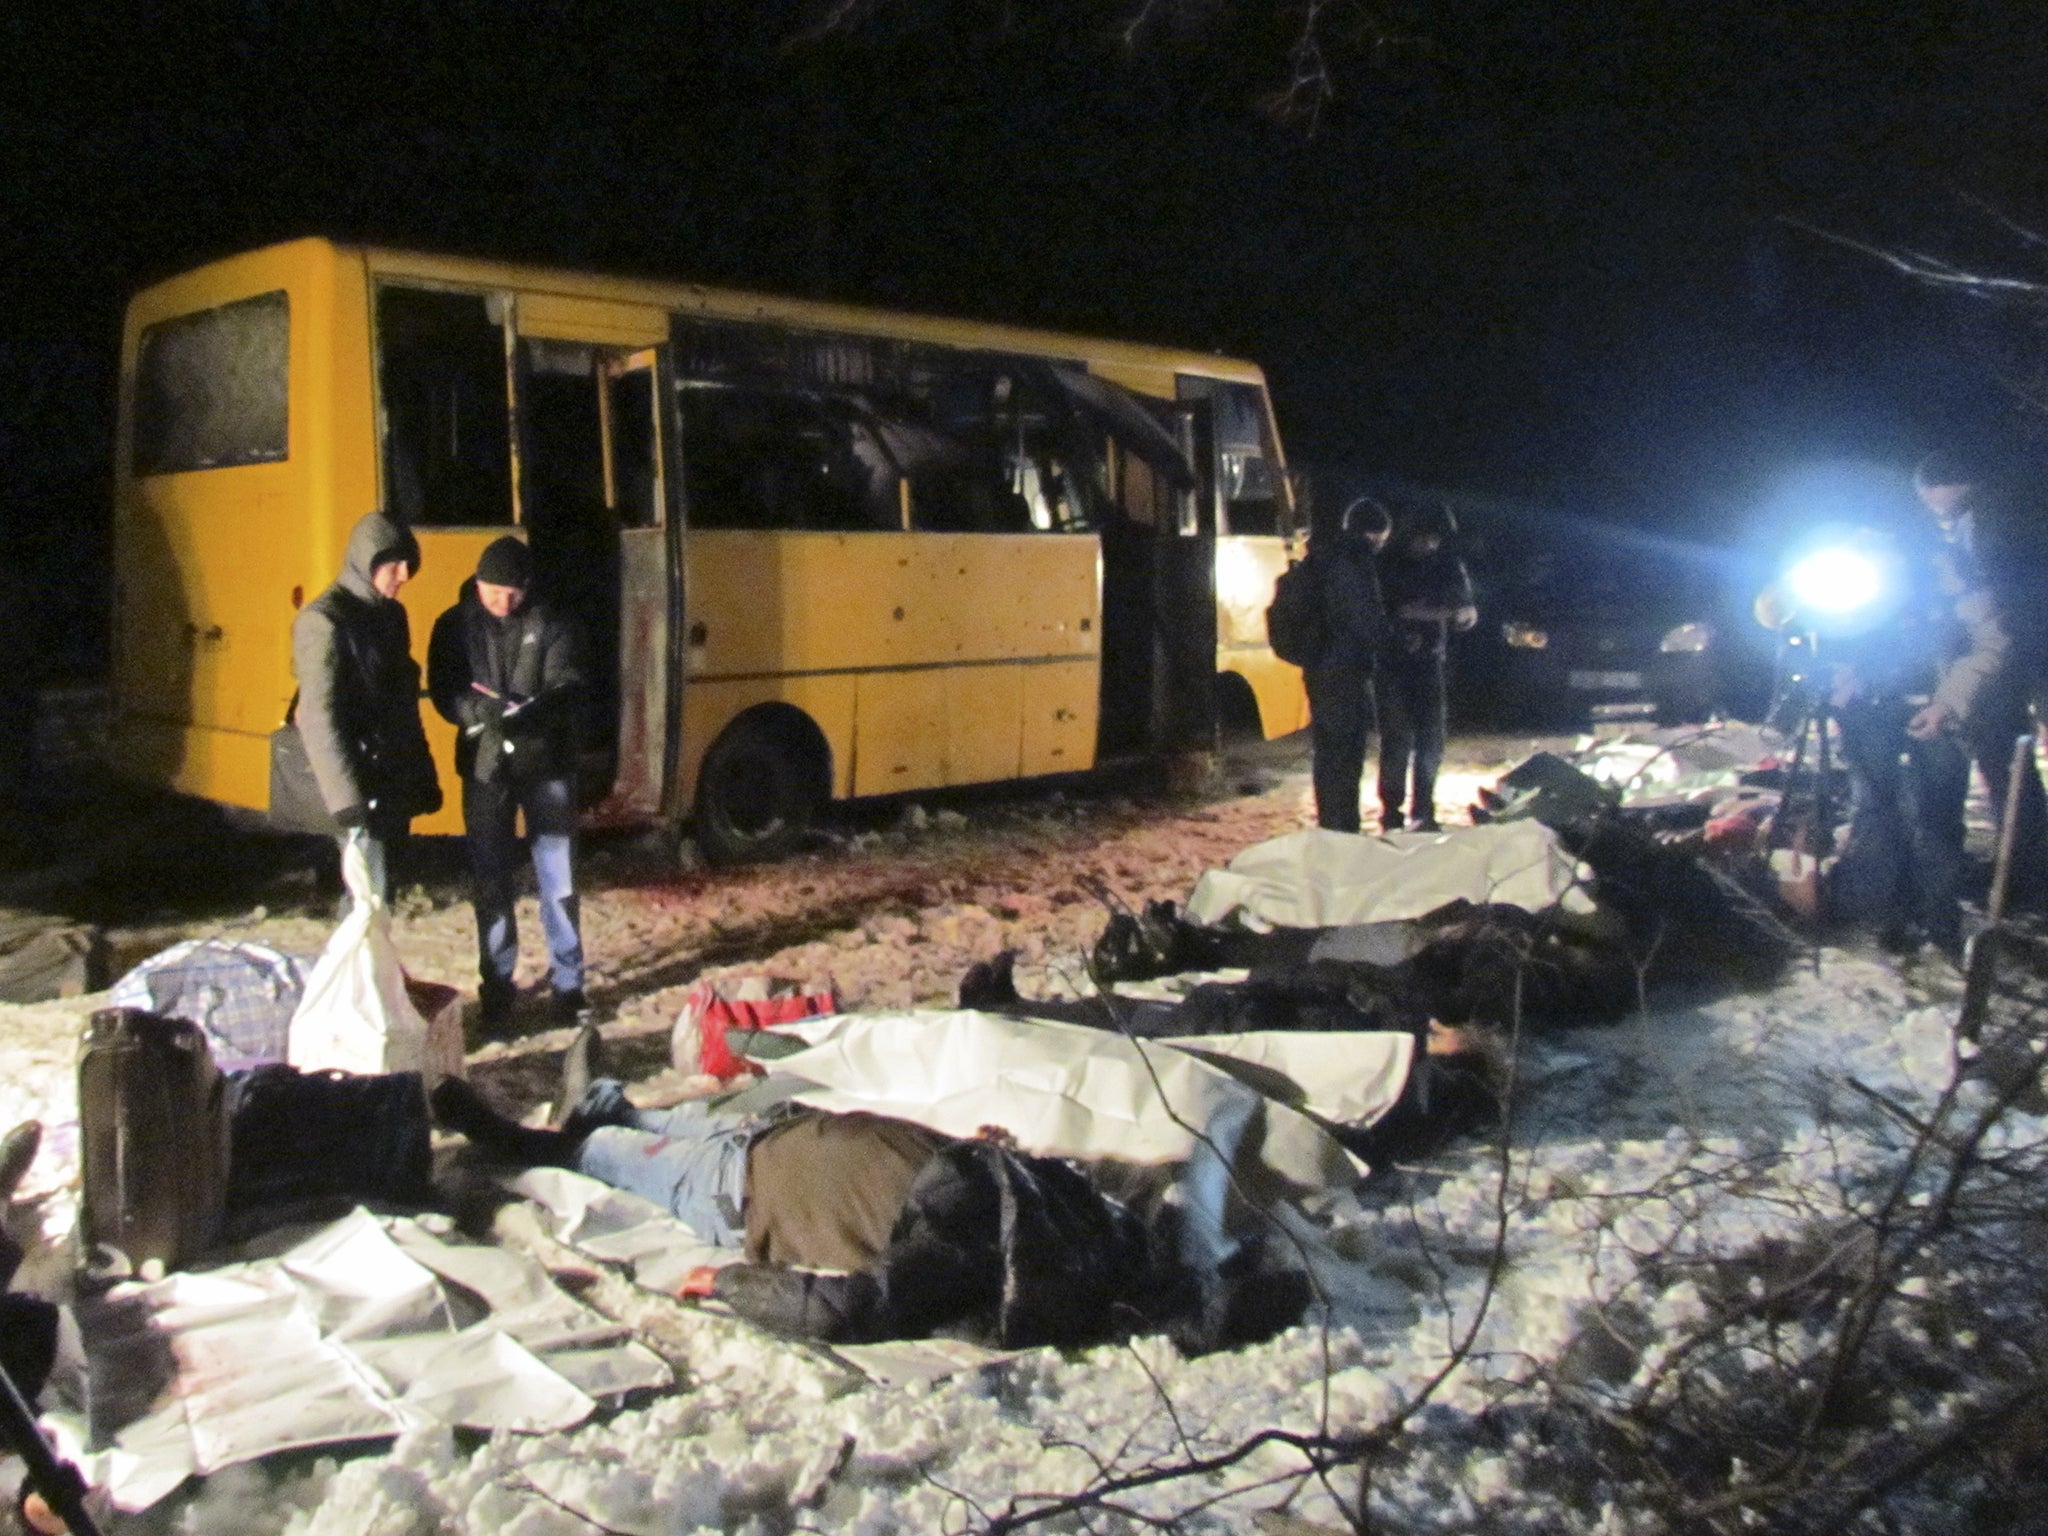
[1453,1084]
[860,1227]
[1463,963]
[1663,914]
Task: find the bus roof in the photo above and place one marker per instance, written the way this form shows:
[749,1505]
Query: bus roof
[740,304]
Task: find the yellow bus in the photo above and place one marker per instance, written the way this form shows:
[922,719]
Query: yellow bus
[817,551]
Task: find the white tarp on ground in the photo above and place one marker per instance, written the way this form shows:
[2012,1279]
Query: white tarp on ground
[349,1335]
[1061,1089]
[1319,879]
[1682,763]
[617,1227]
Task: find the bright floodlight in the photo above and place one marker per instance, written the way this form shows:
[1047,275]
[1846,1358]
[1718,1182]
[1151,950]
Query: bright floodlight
[1835,582]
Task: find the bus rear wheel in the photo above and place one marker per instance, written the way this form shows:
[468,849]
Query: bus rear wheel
[758,792]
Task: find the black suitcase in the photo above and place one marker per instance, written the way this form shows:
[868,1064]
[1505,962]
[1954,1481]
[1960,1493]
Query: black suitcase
[153,1137]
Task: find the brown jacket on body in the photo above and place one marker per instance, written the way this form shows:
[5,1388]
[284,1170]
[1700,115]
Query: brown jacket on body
[824,1191]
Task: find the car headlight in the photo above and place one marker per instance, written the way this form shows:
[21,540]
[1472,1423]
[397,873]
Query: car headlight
[1524,637]
[1687,639]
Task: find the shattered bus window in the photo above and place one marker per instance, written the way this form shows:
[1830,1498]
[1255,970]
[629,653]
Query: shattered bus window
[785,429]
[211,389]
[1245,462]
[447,425]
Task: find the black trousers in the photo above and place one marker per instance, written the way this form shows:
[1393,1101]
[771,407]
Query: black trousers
[1340,702]
[1411,693]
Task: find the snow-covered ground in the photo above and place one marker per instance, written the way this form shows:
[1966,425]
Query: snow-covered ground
[1620,1137]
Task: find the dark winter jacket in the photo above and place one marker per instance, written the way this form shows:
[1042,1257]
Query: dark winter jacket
[991,1245]
[529,663]
[1991,647]
[1355,621]
[359,688]
[1435,580]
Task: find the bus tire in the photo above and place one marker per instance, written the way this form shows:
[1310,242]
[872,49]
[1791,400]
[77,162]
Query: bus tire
[760,789]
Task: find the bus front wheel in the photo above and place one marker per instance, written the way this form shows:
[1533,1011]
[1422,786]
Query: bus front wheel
[758,792]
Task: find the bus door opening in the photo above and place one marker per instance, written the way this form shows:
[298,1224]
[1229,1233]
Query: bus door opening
[1158,593]
[636,487]
[1184,717]
[591,497]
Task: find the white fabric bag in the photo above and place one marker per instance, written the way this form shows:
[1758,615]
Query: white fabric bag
[356,1015]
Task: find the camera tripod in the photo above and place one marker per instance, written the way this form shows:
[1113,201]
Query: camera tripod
[1805,817]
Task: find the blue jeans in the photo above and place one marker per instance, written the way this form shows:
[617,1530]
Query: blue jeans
[488,819]
[690,1158]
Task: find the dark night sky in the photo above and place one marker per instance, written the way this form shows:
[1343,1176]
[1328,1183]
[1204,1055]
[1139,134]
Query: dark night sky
[1538,257]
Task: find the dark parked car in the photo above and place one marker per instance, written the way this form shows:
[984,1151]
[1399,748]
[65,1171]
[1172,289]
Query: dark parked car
[1582,622]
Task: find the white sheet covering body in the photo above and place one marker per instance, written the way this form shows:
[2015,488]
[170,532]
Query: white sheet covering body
[1680,764]
[1319,879]
[1060,1089]
[1348,1078]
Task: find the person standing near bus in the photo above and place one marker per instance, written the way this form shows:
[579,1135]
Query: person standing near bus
[358,703]
[1340,683]
[505,669]
[1428,594]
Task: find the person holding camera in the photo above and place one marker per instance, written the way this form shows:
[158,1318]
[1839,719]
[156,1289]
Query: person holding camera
[506,671]
[358,702]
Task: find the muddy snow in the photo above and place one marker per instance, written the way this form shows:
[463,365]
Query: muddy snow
[1611,1127]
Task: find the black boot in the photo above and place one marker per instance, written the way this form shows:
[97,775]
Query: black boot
[991,984]
[459,1107]
[580,1065]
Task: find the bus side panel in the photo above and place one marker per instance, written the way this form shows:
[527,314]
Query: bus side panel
[931,623]
[207,559]
[900,731]
[1246,568]
[828,602]
[984,714]
[1060,707]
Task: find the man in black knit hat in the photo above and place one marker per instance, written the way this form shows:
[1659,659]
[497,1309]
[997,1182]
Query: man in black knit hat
[506,671]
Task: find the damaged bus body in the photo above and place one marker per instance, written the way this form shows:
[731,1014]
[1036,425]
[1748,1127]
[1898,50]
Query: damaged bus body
[817,551]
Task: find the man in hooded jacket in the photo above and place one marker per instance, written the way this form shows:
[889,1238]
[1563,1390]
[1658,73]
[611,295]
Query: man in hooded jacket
[505,669]
[358,703]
